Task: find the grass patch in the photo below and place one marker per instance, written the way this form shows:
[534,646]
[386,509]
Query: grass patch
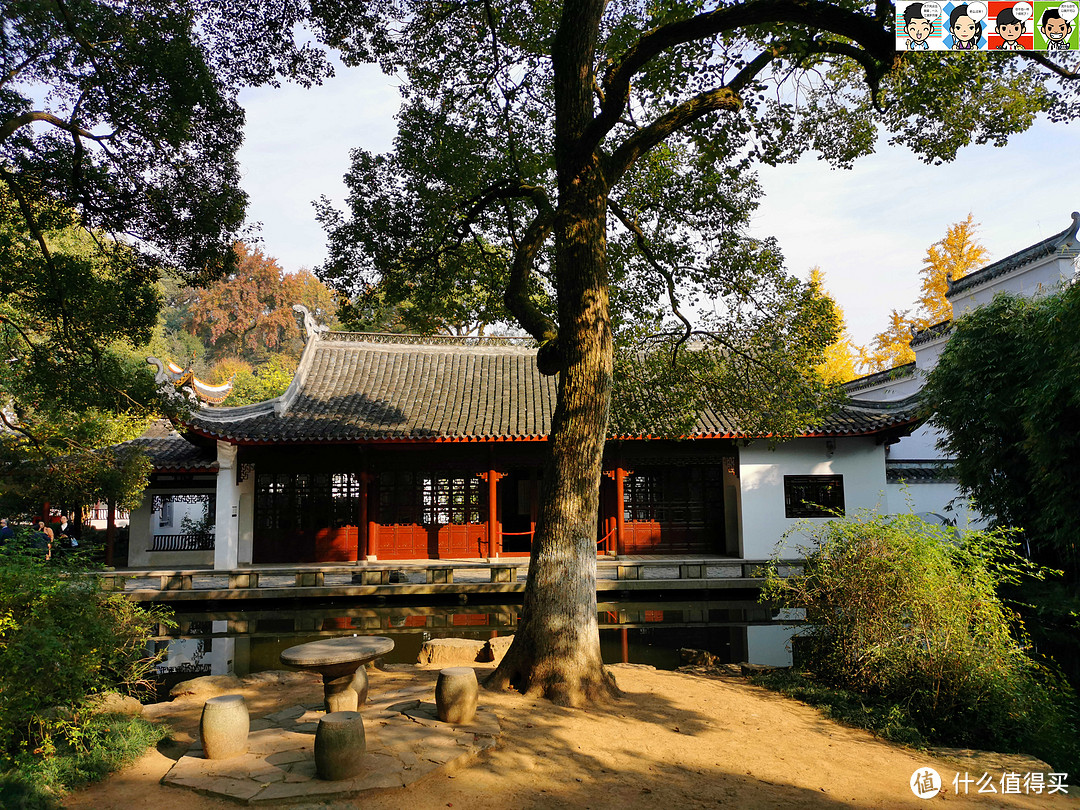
[884,718]
[78,752]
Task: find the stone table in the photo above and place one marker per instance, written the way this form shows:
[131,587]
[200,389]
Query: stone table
[339,660]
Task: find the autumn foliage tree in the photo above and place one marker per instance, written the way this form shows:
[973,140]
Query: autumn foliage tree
[248,314]
[952,257]
[891,347]
[841,357]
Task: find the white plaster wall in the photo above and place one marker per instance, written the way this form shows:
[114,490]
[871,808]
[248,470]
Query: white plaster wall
[890,390]
[144,525]
[761,476]
[926,357]
[139,534]
[921,445]
[1038,278]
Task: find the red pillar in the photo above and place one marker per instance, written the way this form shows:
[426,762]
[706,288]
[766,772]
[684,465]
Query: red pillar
[372,527]
[494,525]
[362,542]
[620,510]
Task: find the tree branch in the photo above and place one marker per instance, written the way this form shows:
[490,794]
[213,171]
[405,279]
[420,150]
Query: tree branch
[17,428]
[1049,64]
[12,125]
[709,101]
[34,54]
[646,251]
[516,297]
[823,16]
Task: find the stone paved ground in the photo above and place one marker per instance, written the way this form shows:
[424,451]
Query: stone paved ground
[405,742]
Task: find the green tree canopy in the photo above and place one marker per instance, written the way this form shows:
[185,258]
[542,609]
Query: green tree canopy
[1006,394]
[119,127]
[605,151]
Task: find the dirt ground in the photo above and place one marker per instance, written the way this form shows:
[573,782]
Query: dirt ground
[675,740]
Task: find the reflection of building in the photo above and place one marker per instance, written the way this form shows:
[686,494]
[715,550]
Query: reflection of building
[194,655]
[397,447]
[918,476]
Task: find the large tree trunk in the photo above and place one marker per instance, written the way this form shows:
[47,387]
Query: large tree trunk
[556,649]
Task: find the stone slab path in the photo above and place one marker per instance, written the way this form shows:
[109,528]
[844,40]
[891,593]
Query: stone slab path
[405,743]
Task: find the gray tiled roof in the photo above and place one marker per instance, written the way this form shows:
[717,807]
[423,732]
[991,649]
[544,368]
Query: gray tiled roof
[353,387]
[173,453]
[925,471]
[1064,241]
[931,333]
[888,375]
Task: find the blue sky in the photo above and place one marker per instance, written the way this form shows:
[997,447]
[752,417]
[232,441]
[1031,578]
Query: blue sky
[868,228]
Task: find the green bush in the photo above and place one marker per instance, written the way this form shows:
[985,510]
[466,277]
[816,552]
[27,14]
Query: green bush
[908,613]
[78,750]
[63,640]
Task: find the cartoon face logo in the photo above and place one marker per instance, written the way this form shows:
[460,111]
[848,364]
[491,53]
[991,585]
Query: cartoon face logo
[918,23]
[918,30]
[1054,28]
[1010,32]
[964,28]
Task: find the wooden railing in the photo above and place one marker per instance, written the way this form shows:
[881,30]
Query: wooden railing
[182,542]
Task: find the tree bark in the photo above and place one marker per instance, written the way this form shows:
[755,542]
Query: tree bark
[556,649]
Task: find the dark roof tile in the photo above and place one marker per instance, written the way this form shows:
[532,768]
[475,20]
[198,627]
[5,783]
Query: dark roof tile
[173,453]
[1064,241]
[350,388]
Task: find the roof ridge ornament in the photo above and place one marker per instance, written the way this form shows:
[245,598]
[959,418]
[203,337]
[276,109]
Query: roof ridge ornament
[314,330]
[173,382]
[1071,236]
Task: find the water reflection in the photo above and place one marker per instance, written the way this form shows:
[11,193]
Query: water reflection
[240,642]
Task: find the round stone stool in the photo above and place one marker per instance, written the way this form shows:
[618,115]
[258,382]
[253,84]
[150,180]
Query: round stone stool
[224,727]
[456,693]
[359,684]
[339,746]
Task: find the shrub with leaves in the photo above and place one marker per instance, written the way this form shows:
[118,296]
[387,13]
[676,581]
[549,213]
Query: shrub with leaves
[905,611]
[62,640]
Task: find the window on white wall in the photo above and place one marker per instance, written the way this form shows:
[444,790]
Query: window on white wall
[165,516]
[810,496]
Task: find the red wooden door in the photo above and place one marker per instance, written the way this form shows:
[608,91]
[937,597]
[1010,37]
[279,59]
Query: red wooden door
[462,540]
[403,541]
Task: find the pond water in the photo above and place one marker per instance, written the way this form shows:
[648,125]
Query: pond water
[230,641]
